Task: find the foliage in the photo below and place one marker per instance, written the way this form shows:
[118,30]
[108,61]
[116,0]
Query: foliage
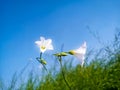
[101,73]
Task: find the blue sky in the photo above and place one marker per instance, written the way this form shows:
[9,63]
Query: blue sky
[64,21]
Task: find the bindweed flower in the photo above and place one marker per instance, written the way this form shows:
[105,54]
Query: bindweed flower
[44,44]
[80,52]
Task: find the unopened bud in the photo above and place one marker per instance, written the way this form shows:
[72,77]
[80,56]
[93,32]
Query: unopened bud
[42,61]
[61,54]
[71,52]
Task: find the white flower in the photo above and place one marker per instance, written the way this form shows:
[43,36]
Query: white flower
[80,52]
[44,44]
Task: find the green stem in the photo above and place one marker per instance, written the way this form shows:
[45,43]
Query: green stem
[60,60]
[40,55]
[45,68]
[42,63]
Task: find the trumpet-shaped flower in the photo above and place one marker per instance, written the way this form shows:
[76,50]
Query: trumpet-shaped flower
[80,52]
[44,44]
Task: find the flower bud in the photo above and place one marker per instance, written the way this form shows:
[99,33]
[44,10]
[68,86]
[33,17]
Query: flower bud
[42,61]
[71,52]
[61,54]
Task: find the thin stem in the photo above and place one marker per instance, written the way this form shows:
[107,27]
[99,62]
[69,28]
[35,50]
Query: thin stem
[45,68]
[42,63]
[60,60]
[40,55]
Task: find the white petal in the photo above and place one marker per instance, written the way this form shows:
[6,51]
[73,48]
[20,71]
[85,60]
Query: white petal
[42,38]
[82,49]
[38,43]
[80,56]
[48,44]
[49,41]
[50,47]
[80,53]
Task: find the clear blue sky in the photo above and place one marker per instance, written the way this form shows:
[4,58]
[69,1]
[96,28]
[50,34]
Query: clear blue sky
[22,22]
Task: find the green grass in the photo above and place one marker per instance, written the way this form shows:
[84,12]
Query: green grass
[102,73]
